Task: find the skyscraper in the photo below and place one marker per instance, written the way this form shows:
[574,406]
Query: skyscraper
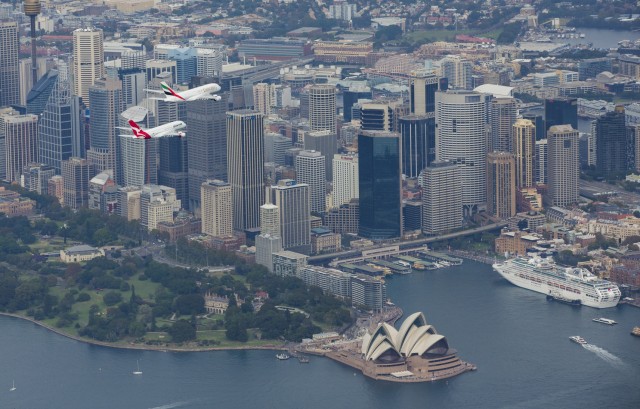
[322,108]
[461,138]
[88,60]
[21,138]
[503,116]
[611,143]
[351,96]
[173,168]
[381,115]
[35,177]
[9,62]
[538,121]
[561,111]
[269,219]
[157,204]
[76,174]
[418,143]
[524,150]
[422,93]
[542,154]
[263,97]
[441,198]
[207,146]
[324,142]
[39,95]
[293,202]
[60,128]
[380,180]
[563,165]
[139,161]
[458,71]
[245,155]
[217,209]
[105,98]
[501,185]
[310,170]
[345,179]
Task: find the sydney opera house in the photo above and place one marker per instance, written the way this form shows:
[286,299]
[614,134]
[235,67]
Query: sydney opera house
[413,353]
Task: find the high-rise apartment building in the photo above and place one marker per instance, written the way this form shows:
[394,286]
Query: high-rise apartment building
[263,97]
[216,208]
[269,219]
[157,204]
[542,154]
[458,71]
[269,240]
[139,158]
[105,98]
[55,188]
[310,170]
[611,143]
[21,143]
[524,151]
[418,143]
[207,146]
[245,155]
[345,179]
[461,138]
[563,165]
[441,198]
[129,202]
[324,142]
[561,111]
[209,61]
[380,184]
[503,116]
[501,185]
[88,60]
[9,64]
[35,177]
[322,108]
[76,174]
[293,201]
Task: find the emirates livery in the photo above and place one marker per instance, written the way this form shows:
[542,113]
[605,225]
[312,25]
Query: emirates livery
[170,129]
[199,93]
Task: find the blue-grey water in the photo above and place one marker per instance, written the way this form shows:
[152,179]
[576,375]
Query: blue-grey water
[600,38]
[518,340]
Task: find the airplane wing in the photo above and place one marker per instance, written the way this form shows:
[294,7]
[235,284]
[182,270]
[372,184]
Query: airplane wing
[155,91]
[157,99]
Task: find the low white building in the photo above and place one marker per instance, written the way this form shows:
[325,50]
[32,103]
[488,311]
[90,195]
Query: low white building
[80,253]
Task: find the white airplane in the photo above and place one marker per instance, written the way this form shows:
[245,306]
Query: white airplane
[199,93]
[170,129]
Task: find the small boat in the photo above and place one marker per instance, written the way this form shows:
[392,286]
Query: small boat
[303,360]
[282,356]
[138,371]
[604,321]
[578,339]
[635,331]
[13,386]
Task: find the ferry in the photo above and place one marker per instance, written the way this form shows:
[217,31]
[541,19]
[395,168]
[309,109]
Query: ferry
[635,331]
[282,356]
[578,340]
[604,321]
[544,276]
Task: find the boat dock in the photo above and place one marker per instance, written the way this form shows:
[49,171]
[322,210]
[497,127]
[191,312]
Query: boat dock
[440,257]
[393,267]
[417,263]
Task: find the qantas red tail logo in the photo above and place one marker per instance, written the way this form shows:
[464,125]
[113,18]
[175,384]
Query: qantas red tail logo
[137,131]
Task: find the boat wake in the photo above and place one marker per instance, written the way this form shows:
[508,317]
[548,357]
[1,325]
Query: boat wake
[606,356]
[172,405]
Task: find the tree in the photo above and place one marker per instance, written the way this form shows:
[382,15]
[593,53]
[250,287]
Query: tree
[190,304]
[182,331]
[112,298]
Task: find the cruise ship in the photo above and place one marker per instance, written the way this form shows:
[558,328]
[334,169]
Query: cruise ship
[544,276]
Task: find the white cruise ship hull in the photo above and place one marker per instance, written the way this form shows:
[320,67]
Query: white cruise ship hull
[542,285]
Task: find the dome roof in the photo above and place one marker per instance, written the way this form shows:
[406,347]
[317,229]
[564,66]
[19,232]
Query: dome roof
[415,337]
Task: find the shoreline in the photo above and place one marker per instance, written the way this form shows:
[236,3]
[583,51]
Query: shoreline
[141,347]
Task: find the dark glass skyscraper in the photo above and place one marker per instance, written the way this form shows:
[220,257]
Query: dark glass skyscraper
[39,94]
[561,111]
[418,143]
[350,97]
[60,130]
[611,143]
[207,147]
[538,121]
[380,184]
[174,166]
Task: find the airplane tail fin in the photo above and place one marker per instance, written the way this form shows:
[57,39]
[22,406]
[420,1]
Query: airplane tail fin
[137,131]
[167,89]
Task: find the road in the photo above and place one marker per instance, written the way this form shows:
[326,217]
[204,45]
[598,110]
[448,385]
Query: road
[407,244]
[157,251]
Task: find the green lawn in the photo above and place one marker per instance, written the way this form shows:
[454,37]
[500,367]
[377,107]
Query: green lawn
[427,36]
[215,335]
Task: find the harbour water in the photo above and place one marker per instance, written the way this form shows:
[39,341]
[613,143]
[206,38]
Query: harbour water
[518,340]
[600,38]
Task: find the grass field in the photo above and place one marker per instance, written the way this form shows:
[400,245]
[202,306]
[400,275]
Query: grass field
[215,335]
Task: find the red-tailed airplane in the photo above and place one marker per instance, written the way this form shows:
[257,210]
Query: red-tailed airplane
[199,93]
[170,129]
